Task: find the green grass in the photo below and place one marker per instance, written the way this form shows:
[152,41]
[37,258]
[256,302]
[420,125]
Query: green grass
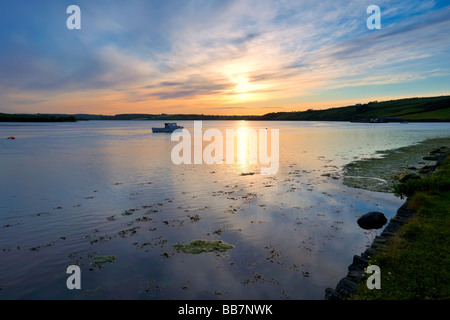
[438,115]
[415,265]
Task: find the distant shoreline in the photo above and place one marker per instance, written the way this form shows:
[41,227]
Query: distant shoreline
[4,117]
[430,109]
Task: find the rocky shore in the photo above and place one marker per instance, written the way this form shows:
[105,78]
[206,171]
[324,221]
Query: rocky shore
[349,284]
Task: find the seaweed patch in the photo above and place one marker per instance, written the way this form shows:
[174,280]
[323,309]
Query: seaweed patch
[200,246]
[386,168]
[99,260]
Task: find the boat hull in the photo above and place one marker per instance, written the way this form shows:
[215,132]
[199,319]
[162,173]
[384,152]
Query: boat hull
[165,130]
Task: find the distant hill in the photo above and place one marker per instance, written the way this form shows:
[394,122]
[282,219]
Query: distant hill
[133,116]
[412,109]
[433,109]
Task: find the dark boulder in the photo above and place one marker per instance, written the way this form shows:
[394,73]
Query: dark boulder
[372,220]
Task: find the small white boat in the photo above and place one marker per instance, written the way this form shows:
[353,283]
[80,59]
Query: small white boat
[168,127]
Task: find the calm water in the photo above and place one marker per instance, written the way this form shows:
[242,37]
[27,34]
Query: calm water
[64,189]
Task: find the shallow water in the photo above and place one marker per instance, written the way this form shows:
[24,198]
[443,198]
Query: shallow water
[70,192]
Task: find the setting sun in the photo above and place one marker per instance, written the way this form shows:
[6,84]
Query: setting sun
[243,86]
[243,90]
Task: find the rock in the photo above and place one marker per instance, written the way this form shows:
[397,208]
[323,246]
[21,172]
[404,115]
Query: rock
[434,157]
[331,294]
[372,220]
[360,262]
[426,169]
[346,287]
[441,150]
[410,176]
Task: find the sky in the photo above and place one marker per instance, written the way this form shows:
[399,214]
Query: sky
[218,57]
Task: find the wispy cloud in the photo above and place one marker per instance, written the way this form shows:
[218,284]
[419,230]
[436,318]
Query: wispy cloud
[144,56]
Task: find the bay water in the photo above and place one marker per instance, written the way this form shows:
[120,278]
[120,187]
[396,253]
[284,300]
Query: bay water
[73,192]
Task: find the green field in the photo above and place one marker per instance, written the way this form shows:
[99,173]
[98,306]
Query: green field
[412,109]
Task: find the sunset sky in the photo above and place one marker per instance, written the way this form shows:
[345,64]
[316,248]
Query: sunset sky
[218,56]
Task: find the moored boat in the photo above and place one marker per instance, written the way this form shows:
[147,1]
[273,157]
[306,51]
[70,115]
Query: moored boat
[168,127]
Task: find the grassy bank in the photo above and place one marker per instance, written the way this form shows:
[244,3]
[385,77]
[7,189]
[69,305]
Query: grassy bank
[416,263]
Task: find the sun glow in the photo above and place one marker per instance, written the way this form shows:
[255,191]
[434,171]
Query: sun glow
[245,90]
[246,146]
[242,146]
[242,86]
